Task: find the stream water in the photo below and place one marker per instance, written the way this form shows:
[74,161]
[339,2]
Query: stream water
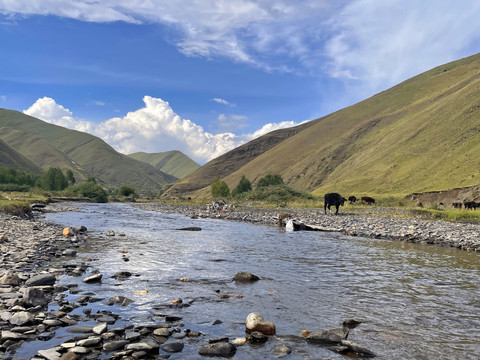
[414,301]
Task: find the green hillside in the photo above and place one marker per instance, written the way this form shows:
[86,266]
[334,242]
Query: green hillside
[229,163]
[421,135]
[174,163]
[86,155]
[10,158]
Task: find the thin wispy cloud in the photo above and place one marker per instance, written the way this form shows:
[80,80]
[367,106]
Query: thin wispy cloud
[371,41]
[154,127]
[223,102]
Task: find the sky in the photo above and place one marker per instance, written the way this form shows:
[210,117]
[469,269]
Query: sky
[205,76]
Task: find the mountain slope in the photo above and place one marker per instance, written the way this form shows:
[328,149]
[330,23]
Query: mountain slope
[174,163]
[10,158]
[421,135]
[230,162]
[87,154]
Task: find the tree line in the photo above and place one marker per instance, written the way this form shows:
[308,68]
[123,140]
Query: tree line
[55,180]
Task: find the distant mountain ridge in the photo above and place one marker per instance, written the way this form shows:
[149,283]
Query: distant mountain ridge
[48,145]
[174,163]
[420,135]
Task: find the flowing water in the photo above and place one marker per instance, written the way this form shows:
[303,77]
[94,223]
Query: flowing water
[416,302]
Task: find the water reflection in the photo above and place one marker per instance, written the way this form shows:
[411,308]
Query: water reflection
[417,302]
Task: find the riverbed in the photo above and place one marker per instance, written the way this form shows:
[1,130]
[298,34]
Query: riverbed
[414,301]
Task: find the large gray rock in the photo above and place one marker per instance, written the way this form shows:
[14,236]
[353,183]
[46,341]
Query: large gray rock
[90,341]
[22,318]
[328,337]
[41,280]
[93,278]
[115,345]
[34,297]
[217,349]
[9,277]
[172,346]
[147,345]
[245,277]
[50,354]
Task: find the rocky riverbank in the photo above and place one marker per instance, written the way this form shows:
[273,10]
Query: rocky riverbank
[35,308]
[379,226]
[46,320]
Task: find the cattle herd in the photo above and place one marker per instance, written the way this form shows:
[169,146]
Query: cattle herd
[468,205]
[337,200]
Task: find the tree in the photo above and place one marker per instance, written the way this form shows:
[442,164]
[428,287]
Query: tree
[92,191]
[53,179]
[126,190]
[70,177]
[91,179]
[219,188]
[244,185]
[270,180]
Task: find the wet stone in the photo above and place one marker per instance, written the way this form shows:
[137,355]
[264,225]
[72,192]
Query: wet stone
[217,349]
[172,346]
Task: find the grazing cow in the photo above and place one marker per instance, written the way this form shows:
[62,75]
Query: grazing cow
[333,199]
[457,205]
[352,199]
[471,205]
[368,200]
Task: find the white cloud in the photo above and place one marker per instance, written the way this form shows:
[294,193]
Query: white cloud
[231,122]
[381,43]
[3,98]
[373,42]
[48,110]
[223,102]
[153,128]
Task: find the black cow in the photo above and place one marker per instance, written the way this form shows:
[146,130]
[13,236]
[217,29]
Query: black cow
[471,205]
[352,199]
[333,199]
[457,205]
[368,200]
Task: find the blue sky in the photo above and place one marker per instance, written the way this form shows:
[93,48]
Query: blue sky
[205,76]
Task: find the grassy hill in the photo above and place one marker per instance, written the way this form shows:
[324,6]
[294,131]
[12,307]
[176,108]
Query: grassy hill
[421,135]
[226,164]
[86,155]
[10,158]
[174,163]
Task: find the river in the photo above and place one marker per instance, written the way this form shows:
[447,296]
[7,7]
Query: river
[414,301]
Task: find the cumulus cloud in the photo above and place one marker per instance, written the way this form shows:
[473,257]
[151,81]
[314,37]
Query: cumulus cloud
[48,110]
[154,128]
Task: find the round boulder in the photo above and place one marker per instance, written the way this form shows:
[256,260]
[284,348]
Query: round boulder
[245,277]
[256,322]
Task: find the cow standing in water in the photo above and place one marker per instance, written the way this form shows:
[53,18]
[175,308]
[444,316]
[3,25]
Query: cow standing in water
[333,199]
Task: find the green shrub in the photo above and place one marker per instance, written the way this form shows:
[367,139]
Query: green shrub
[126,190]
[219,188]
[270,180]
[91,190]
[244,186]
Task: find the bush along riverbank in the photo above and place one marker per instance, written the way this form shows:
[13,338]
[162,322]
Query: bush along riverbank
[379,226]
[41,319]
